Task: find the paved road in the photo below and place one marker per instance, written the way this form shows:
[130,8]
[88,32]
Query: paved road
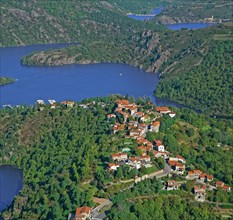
[95,212]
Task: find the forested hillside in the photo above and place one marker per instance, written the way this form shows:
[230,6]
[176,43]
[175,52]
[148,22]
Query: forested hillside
[25,22]
[206,86]
[64,153]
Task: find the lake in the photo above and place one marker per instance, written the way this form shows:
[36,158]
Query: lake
[191,26]
[175,27]
[74,82]
[11,179]
[143,17]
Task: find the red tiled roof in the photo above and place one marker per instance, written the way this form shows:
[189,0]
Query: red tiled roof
[113,164]
[133,158]
[122,102]
[162,108]
[226,187]
[219,183]
[210,177]
[179,165]
[156,123]
[203,175]
[172,163]
[119,154]
[83,209]
[197,171]
[158,142]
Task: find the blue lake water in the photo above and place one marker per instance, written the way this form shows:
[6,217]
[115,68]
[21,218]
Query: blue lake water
[10,184]
[149,16]
[191,26]
[73,82]
[156,11]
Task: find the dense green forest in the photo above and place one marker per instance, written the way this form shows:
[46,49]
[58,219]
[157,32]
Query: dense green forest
[5,80]
[36,22]
[161,207]
[207,86]
[25,22]
[63,154]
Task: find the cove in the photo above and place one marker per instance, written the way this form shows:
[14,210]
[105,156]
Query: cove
[11,182]
[143,17]
[71,82]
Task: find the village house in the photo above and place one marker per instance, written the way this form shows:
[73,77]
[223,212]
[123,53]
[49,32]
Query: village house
[144,149]
[159,146]
[82,213]
[133,124]
[134,162]
[172,185]
[190,175]
[120,156]
[118,127]
[209,178]
[226,188]
[199,189]
[172,114]
[220,184]
[145,158]
[155,126]
[197,173]
[158,154]
[143,141]
[178,158]
[109,116]
[200,192]
[132,110]
[53,106]
[202,177]
[122,103]
[163,110]
[145,118]
[177,168]
[113,166]
[68,103]
[132,133]
[138,114]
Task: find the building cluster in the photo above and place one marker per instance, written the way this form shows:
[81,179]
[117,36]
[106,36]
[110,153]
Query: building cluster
[201,187]
[136,124]
[177,164]
[53,104]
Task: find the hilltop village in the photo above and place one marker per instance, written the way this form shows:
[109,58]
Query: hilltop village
[149,159]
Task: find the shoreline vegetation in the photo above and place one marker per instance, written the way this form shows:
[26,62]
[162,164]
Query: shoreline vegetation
[6,80]
[151,51]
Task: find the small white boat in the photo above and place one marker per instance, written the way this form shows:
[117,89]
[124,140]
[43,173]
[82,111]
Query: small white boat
[51,101]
